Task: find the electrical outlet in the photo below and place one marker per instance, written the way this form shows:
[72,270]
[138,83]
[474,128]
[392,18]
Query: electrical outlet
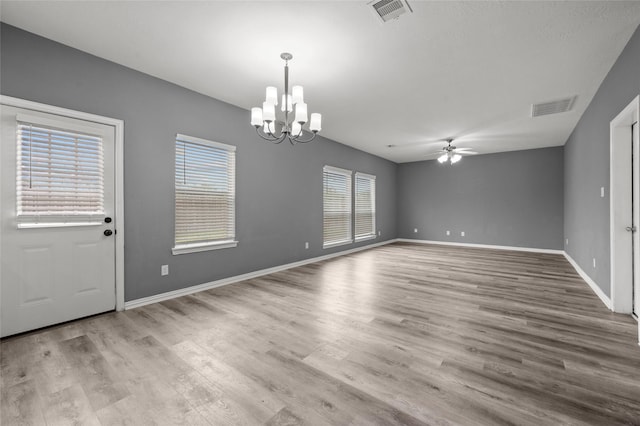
[566,242]
[415,230]
[594,262]
[164,270]
[462,234]
[602,191]
[448,232]
[379,233]
[306,245]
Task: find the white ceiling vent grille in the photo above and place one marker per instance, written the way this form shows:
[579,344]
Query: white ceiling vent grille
[553,107]
[387,10]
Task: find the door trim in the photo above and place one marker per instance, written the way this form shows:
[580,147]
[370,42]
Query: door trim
[620,207]
[118,126]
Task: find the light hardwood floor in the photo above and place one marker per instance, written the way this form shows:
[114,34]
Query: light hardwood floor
[400,334]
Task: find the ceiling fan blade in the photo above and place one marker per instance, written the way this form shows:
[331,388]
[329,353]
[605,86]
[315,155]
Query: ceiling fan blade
[468,153]
[417,144]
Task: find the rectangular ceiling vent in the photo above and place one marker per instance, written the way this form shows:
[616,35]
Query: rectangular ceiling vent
[387,10]
[553,107]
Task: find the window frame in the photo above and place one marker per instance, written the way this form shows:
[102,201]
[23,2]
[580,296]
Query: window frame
[200,246]
[372,180]
[72,127]
[348,174]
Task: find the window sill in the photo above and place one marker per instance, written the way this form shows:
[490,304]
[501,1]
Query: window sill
[194,248]
[336,244]
[365,238]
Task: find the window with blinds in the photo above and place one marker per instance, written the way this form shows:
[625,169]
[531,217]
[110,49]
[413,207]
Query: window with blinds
[60,175]
[365,222]
[205,195]
[336,207]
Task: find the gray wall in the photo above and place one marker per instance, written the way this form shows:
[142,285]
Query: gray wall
[279,187]
[586,214]
[512,198]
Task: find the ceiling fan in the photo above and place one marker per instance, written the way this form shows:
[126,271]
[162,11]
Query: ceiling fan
[451,153]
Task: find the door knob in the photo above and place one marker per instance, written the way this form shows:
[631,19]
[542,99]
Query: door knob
[108,232]
[631,228]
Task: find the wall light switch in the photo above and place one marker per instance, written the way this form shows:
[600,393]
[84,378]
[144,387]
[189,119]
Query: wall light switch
[306,245]
[164,270]
[462,234]
[448,232]
[415,230]
[602,191]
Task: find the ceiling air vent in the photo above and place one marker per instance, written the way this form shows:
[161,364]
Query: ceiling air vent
[553,107]
[387,10]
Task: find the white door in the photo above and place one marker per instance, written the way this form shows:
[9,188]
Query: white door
[636,219]
[56,211]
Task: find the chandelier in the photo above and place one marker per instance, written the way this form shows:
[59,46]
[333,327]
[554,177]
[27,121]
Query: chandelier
[294,110]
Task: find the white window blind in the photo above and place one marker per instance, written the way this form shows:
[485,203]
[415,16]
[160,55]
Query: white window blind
[336,206]
[365,206]
[205,192]
[60,174]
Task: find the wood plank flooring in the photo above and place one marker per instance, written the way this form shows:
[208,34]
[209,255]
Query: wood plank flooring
[401,334]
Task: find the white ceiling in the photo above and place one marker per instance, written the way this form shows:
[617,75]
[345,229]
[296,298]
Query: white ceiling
[468,70]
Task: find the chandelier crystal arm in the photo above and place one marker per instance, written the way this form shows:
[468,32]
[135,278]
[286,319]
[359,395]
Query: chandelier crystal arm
[270,137]
[297,139]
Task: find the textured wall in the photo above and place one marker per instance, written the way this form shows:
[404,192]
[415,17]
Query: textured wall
[586,214]
[279,188]
[512,198]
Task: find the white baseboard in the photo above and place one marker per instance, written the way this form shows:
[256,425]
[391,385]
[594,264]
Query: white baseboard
[596,289]
[230,280]
[488,246]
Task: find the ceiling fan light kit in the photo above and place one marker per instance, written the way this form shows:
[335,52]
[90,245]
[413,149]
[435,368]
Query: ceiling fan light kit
[449,154]
[453,158]
[264,119]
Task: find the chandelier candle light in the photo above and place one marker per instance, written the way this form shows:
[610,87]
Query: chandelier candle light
[264,119]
